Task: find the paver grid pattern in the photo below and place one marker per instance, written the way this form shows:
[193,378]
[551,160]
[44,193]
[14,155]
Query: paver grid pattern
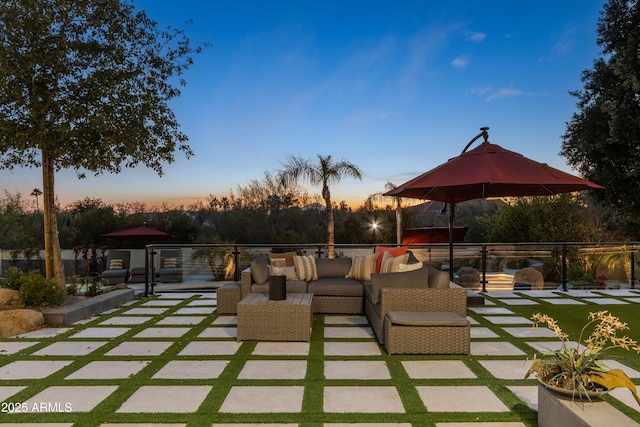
[172,361]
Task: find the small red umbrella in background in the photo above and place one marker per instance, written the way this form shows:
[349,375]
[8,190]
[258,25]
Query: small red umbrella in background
[488,171]
[139,233]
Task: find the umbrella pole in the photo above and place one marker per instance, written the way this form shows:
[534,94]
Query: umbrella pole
[451,242]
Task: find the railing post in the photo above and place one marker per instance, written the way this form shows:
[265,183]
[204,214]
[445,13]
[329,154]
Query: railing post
[564,267]
[319,251]
[484,268]
[633,269]
[153,269]
[236,259]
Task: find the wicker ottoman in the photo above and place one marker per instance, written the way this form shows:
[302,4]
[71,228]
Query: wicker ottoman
[262,319]
[432,332]
[228,296]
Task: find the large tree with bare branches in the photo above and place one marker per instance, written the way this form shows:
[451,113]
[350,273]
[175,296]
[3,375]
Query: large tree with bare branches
[85,84]
[324,173]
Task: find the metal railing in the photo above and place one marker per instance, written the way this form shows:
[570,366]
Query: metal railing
[565,264]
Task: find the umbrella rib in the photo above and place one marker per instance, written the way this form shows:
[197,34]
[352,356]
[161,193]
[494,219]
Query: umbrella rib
[548,189]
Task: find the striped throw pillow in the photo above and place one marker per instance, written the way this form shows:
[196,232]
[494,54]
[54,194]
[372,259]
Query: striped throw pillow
[305,267]
[390,263]
[362,267]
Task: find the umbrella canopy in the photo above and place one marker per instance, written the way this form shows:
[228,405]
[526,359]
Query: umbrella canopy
[139,233]
[488,171]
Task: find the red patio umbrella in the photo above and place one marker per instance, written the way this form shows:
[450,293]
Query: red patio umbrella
[140,233]
[488,171]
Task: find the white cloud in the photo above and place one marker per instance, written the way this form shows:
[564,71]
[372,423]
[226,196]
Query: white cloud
[460,62]
[476,37]
[491,93]
[504,93]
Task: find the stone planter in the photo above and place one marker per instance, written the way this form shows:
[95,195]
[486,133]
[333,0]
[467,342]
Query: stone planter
[559,409]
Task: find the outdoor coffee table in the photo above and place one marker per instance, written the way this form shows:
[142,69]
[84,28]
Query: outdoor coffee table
[262,319]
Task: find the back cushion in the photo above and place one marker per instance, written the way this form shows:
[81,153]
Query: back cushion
[337,267]
[438,279]
[260,269]
[406,279]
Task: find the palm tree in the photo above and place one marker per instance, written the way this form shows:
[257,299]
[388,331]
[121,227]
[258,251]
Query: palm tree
[325,173]
[399,202]
[35,193]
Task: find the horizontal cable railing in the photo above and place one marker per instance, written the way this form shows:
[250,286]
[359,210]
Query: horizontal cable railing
[563,264]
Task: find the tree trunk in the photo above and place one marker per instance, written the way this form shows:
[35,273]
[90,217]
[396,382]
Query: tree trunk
[53,254]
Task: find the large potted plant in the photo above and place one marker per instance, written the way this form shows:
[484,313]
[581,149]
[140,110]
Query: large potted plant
[577,370]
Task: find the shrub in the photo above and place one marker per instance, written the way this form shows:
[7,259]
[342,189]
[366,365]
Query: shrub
[34,289]
[14,278]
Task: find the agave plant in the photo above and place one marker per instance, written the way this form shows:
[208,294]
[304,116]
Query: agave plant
[579,369]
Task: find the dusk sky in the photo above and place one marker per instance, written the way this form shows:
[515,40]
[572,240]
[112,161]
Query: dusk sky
[394,87]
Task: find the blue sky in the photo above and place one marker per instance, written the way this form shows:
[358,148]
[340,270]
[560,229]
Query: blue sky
[393,87]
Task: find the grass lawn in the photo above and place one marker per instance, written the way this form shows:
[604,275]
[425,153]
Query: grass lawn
[187,329]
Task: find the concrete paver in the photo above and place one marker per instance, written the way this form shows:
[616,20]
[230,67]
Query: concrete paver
[263,399]
[460,399]
[356,370]
[171,399]
[362,399]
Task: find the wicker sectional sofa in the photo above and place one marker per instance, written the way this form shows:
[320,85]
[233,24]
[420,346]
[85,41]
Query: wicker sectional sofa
[411,312]
[332,291]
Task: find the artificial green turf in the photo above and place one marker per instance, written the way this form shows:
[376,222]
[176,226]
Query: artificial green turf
[570,318]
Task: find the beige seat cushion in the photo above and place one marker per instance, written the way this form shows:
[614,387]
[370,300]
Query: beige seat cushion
[426,318]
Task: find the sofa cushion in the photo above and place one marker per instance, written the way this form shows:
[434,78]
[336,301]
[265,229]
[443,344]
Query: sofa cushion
[305,267]
[405,279]
[438,279]
[380,250]
[287,256]
[336,267]
[362,267]
[260,269]
[336,286]
[426,318]
[390,263]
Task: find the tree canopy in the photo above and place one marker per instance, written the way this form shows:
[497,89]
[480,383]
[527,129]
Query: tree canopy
[324,173]
[85,85]
[603,137]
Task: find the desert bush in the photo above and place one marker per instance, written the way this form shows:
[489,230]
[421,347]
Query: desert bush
[35,290]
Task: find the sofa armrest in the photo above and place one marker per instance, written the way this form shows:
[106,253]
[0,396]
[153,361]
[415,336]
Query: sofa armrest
[405,299]
[245,282]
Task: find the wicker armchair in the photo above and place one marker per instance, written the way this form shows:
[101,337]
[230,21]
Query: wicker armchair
[435,333]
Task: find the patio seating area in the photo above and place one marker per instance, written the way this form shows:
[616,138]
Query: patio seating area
[173,359]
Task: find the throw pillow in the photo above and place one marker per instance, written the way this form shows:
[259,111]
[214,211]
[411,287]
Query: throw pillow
[116,264]
[390,263]
[305,267]
[409,267]
[170,263]
[260,269]
[380,250]
[362,267]
[287,256]
[278,262]
[289,272]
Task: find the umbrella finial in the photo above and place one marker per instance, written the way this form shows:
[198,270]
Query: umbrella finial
[484,133]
